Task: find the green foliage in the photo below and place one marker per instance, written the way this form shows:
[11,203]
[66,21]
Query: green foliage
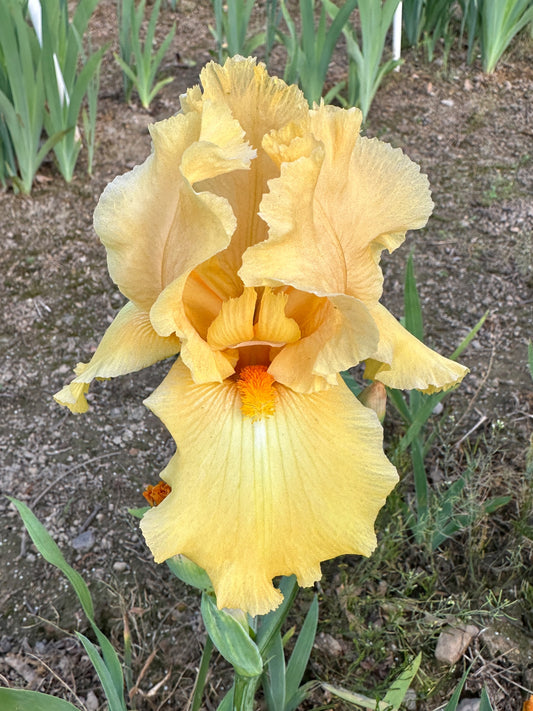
[491,23]
[452,704]
[454,700]
[273,17]
[189,573]
[499,22]
[281,681]
[42,88]
[89,115]
[309,51]
[391,701]
[106,663]
[428,21]
[22,99]
[470,24]
[436,517]
[413,20]
[231,638]
[136,59]
[269,625]
[63,48]
[22,700]
[365,68]
[232,19]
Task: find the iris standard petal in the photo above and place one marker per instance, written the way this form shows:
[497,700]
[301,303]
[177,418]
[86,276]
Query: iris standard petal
[402,361]
[129,344]
[150,219]
[340,206]
[253,500]
[261,104]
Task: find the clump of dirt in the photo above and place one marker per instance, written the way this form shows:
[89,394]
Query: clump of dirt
[472,134]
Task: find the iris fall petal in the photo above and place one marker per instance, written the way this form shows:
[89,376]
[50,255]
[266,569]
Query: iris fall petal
[129,344]
[253,500]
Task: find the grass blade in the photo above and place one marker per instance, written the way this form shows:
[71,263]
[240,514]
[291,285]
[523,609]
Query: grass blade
[396,694]
[274,678]
[302,651]
[116,702]
[413,310]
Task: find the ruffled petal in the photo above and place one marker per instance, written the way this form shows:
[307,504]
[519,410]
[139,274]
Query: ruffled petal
[402,361]
[340,206]
[129,344]
[219,149]
[261,104]
[253,500]
[288,208]
[153,223]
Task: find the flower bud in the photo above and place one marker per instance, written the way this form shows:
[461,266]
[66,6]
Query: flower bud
[374,396]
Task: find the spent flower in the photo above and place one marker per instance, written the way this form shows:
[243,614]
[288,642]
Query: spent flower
[249,241]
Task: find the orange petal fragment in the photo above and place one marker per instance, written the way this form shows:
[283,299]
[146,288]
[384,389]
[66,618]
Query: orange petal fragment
[156,494]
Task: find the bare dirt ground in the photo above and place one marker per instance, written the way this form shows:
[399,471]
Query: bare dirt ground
[472,134]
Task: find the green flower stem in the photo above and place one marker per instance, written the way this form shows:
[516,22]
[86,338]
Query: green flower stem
[244,691]
[202,674]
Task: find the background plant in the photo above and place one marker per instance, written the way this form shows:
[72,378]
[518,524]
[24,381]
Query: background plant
[7,156]
[489,24]
[22,99]
[42,87]
[499,22]
[365,68]
[137,59]
[231,31]
[89,116]
[437,516]
[429,22]
[63,44]
[310,49]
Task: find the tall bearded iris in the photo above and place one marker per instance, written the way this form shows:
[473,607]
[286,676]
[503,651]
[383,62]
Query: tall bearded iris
[249,241]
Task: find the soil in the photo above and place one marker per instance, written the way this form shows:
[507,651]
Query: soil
[471,133]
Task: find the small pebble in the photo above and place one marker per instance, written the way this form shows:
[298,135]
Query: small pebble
[327,644]
[439,407]
[84,542]
[453,643]
[469,705]
[91,702]
[120,566]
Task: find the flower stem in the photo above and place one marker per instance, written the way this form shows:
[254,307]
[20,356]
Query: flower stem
[244,692]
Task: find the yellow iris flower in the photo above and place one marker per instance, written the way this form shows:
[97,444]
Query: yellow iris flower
[249,241]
